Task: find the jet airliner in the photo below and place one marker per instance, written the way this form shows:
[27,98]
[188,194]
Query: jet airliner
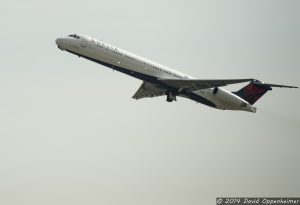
[159,80]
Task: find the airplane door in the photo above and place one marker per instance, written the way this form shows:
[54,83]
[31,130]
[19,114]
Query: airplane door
[83,42]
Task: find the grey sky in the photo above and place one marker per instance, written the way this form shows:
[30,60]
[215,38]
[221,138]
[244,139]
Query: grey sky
[71,134]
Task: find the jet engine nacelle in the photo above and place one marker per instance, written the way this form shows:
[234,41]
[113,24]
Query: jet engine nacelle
[228,99]
[215,90]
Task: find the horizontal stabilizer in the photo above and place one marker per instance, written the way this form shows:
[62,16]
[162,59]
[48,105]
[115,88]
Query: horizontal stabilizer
[256,89]
[278,86]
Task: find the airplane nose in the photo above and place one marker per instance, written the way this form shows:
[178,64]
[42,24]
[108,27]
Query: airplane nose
[58,41]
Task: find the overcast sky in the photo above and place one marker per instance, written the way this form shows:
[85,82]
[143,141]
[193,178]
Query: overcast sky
[70,133]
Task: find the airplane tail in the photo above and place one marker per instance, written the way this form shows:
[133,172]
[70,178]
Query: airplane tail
[256,89]
[253,91]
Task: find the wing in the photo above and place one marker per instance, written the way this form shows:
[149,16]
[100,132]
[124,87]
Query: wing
[147,90]
[195,84]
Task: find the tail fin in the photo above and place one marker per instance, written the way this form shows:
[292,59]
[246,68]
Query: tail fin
[253,91]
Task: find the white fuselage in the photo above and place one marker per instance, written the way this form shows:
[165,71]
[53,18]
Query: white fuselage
[146,70]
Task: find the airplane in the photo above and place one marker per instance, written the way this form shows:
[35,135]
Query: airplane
[160,80]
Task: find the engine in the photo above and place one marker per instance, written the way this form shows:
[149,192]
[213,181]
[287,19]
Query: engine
[215,90]
[228,99]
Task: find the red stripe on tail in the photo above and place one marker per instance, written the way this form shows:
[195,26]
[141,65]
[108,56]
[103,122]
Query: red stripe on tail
[253,91]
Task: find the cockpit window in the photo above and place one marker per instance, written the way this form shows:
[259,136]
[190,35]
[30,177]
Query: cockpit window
[74,36]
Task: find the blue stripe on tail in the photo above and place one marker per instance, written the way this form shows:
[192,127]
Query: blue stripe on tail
[253,91]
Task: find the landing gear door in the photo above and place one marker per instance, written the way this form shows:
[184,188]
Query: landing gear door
[83,42]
